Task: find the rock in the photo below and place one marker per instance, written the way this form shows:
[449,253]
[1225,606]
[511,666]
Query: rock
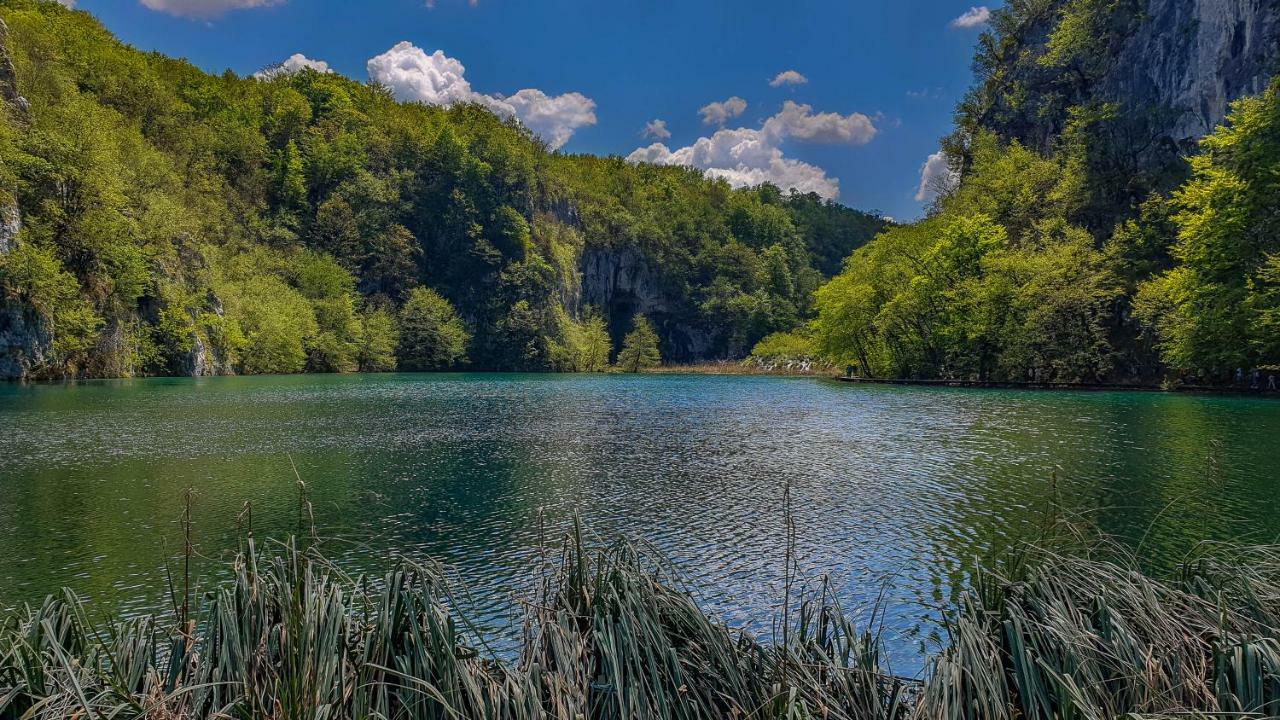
[10,224]
[25,340]
[1194,57]
[9,79]
[622,283]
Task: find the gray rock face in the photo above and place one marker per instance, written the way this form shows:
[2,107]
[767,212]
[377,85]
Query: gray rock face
[10,224]
[25,340]
[1193,57]
[621,283]
[616,276]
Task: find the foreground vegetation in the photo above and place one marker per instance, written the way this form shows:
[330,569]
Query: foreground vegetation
[611,636]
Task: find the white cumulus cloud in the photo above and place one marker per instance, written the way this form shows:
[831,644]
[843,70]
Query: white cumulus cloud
[205,9]
[553,118]
[67,3]
[413,75]
[292,64]
[788,77]
[747,156]
[973,17]
[717,113]
[801,123]
[437,79]
[656,129]
[936,177]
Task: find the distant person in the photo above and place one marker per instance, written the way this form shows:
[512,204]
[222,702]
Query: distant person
[1253,379]
[1239,375]
[848,371]
[1271,382]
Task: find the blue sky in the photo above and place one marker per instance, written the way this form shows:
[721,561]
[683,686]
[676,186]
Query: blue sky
[880,78]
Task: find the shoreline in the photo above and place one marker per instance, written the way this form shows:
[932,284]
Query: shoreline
[735,367]
[1088,387]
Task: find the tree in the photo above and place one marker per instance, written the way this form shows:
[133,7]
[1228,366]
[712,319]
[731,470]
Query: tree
[1216,309]
[639,347]
[378,341]
[585,345]
[432,336]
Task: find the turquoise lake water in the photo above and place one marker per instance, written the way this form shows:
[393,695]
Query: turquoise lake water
[896,490]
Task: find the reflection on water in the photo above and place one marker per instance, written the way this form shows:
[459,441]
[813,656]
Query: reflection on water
[889,484]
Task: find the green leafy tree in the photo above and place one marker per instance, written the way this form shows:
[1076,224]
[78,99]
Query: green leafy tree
[432,336]
[378,340]
[1215,310]
[639,347]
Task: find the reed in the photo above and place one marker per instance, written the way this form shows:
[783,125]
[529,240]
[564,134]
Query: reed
[611,635]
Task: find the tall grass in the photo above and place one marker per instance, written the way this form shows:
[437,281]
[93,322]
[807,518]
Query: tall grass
[612,636]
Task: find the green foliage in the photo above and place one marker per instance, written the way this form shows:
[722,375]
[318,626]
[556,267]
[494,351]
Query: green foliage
[380,335]
[1216,310]
[586,346]
[640,347]
[33,275]
[432,336]
[784,347]
[997,285]
[147,179]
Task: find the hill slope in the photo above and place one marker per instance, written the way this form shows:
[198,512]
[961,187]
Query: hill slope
[161,220]
[1088,229]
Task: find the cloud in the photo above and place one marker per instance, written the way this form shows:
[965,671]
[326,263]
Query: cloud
[437,79]
[552,118]
[747,156]
[205,9]
[743,157]
[936,178]
[292,64]
[656,129]
[717,113]
[973,17]
[67,3]
[788,77]
[801,123]
[413,75]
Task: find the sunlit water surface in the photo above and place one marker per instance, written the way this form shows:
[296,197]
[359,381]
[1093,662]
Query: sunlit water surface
[896,491]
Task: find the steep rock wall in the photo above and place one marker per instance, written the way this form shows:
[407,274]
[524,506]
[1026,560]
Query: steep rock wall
[1193,57]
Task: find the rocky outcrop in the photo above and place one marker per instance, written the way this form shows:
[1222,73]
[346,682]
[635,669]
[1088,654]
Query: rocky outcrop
[622,282]
[8,79]
[10,224]
[1193,57]
[620,276]
[25,339]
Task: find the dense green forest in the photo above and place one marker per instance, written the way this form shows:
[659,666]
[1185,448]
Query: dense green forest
[1071,242]
[157,219]
[161,220]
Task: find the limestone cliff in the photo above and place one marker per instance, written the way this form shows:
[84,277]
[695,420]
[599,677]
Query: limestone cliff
[1193,57]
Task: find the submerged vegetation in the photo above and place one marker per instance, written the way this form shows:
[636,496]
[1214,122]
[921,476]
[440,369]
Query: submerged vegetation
[612,636]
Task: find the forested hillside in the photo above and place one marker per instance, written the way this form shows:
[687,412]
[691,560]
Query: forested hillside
[1083,231]
[161,220]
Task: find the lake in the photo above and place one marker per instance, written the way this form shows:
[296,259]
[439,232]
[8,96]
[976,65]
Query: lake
[895,490]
